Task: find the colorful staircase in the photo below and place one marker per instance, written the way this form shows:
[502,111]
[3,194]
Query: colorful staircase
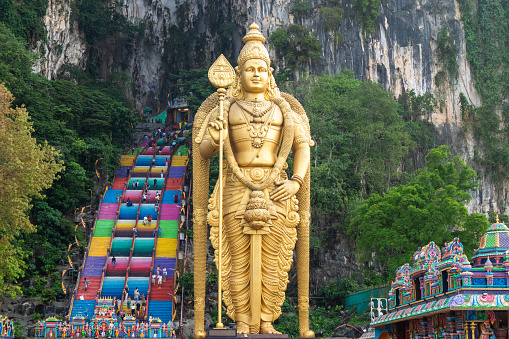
[160,302]
[137,254]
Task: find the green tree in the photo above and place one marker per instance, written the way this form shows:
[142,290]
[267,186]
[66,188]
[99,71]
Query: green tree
[430,208]
[302,9]
[360,138]
[71,190]
[26,168]
[296,46]
[367,11]
[25,18]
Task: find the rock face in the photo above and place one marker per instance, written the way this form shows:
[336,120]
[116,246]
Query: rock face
[401,55]
[65,42]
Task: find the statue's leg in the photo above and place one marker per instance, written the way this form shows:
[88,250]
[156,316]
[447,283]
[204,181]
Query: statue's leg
[277,258]
[238,244]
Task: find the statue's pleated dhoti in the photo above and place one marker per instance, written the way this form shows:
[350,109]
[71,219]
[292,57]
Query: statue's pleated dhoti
[277,244]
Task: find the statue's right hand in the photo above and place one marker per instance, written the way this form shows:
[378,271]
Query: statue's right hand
[215,127]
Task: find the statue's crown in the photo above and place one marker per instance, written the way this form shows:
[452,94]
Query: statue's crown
[253,48]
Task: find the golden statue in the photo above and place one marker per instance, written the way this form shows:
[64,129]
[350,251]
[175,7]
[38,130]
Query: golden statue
[264,215]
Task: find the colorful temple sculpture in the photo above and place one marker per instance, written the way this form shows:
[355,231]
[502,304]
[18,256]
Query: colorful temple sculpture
[6,327]
[445,296]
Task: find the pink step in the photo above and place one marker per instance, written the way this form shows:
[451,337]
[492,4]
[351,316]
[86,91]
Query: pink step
[108,211]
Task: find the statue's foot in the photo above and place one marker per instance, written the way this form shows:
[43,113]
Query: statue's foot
[242,328]
[267,328]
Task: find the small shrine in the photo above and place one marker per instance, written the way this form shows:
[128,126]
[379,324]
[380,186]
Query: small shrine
[444,295]
[6,327]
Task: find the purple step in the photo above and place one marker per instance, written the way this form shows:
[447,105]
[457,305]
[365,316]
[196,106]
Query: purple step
[169,263]
[176,171]
[94,266]
[108,211]
[122,172]
[169,212]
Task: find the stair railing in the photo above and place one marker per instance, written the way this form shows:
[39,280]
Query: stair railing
[123,292]
[185,253]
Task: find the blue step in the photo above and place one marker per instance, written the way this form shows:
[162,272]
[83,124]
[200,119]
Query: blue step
[113,287]
[83,307]
[160,309]
[169,196]
[144,160]
[161,160]
[140,282]
[111,196]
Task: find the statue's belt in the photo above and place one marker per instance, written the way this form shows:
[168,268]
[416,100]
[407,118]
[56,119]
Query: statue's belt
[256,174]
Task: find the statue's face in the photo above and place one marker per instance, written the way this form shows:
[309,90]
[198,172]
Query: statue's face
[255,76]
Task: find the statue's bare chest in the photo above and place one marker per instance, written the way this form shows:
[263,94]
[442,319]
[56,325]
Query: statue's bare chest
[265,113]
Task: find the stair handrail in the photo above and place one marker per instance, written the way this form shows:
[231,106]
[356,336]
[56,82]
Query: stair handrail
[123,292]
[128,268]
[99,291]
[185,250]
[131,250]
[166,177]
[87,250]
[76,288]
[151,270]
[138,214]
[72,304]
[126,185]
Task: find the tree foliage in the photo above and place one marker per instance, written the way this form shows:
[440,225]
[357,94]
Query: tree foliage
[99,19]
[301,9]
[24,17]
[26,168]
[367,11]
[360,140]
[87,121]
[295,45]
[430,208]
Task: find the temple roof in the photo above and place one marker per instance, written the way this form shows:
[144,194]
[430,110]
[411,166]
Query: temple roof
[495,241]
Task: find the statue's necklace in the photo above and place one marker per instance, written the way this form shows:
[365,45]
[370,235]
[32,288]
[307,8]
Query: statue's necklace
[258,130]
[256,109]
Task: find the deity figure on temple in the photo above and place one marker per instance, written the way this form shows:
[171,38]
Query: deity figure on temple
[265,213]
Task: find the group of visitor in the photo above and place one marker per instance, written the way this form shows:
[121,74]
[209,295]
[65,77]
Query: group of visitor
[159,276]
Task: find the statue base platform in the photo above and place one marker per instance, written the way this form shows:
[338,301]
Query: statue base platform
[231,333]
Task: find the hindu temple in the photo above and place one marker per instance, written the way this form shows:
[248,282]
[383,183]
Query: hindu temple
[443,294]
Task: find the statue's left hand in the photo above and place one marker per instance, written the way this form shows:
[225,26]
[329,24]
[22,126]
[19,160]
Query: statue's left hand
[285,190]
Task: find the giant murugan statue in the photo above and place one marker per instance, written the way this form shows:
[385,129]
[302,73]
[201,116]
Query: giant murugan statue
[265,214]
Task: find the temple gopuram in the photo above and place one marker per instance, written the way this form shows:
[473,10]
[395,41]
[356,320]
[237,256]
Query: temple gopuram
[445,296]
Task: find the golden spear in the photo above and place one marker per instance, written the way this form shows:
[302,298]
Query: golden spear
[221,75]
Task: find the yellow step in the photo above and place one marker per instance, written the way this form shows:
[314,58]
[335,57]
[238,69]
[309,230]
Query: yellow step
[99,246]
[127,160]
[126,223]
[179,157]
[166,248]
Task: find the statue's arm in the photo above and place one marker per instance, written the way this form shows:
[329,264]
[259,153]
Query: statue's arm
[207,149]
[210,144]
[301,158]
[301,152]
